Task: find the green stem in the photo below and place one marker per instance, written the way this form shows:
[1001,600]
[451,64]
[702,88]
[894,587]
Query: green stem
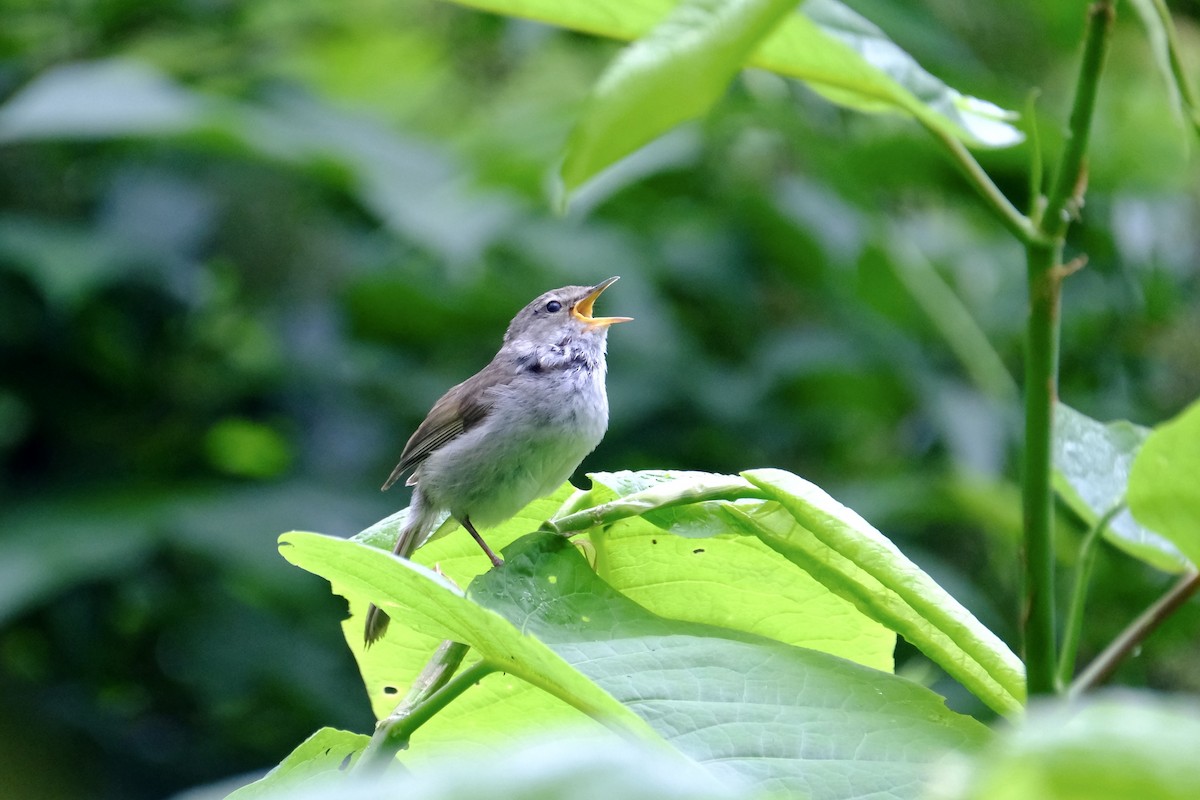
[433,690]
[952,320]
[1041,375]
[1083,576]
[1069,183]
[437,672]
[1044,276]
[1136,632]
[1016,222]
[1035,158]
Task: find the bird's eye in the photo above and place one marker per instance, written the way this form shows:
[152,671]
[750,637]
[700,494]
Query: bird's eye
[554,306]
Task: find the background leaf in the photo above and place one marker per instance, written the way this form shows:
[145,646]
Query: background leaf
[837,52]
[1092,463]
[849,60]
[1160,32]
[1163,483]
[673,74]
[403,182]
[106,98]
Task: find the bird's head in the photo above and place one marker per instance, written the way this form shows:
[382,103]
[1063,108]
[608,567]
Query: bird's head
[562,314]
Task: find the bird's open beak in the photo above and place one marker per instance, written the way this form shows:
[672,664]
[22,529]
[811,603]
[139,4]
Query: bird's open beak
[583,309]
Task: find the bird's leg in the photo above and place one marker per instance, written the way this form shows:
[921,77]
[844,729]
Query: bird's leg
[496,560]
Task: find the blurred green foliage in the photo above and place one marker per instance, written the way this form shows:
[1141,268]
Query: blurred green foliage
[244,246]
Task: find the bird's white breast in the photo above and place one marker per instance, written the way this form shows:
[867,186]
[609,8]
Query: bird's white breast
[541,426]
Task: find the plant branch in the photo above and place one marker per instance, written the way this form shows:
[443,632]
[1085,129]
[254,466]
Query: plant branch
[1041,389]
[950,317]
[1016,222]
[1136,632]
[433,689]
[1083,576]
[1066,194]
[1043,257]
[1035,158]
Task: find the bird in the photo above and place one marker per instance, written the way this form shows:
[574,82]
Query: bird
[513,432]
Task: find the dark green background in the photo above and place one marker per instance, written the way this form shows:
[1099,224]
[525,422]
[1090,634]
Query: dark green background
[217,333]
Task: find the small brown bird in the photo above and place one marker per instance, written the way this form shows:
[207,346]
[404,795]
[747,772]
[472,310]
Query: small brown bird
[513,432]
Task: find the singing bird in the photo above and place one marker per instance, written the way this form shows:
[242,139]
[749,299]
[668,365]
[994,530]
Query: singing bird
[513,432]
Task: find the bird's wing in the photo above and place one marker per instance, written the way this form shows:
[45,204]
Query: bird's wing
[459,410]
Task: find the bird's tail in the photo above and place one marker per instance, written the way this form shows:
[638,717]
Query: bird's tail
[416,530]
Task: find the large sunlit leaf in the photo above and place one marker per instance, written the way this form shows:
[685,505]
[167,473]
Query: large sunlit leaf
[750,709]
[693,683]
[1114,747]
[1092,462]
[833,544]
[735,581]
[724,578]
[847,554]
[429,604]
[1164,483]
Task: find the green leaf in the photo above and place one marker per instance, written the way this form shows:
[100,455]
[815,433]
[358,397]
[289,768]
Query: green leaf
[534,768]
[846,555]
[248,449]
[730,580]
[68,263]
[1164,44]
[328,751]
[409,185]
[850,61]
[100,99]
[673,74]
[843,551]
[429,604]
[1164,484]
[99,536]
[750,709]
[1092,462]
[94,540]
[838,53]
[1113,747]
[735,582]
